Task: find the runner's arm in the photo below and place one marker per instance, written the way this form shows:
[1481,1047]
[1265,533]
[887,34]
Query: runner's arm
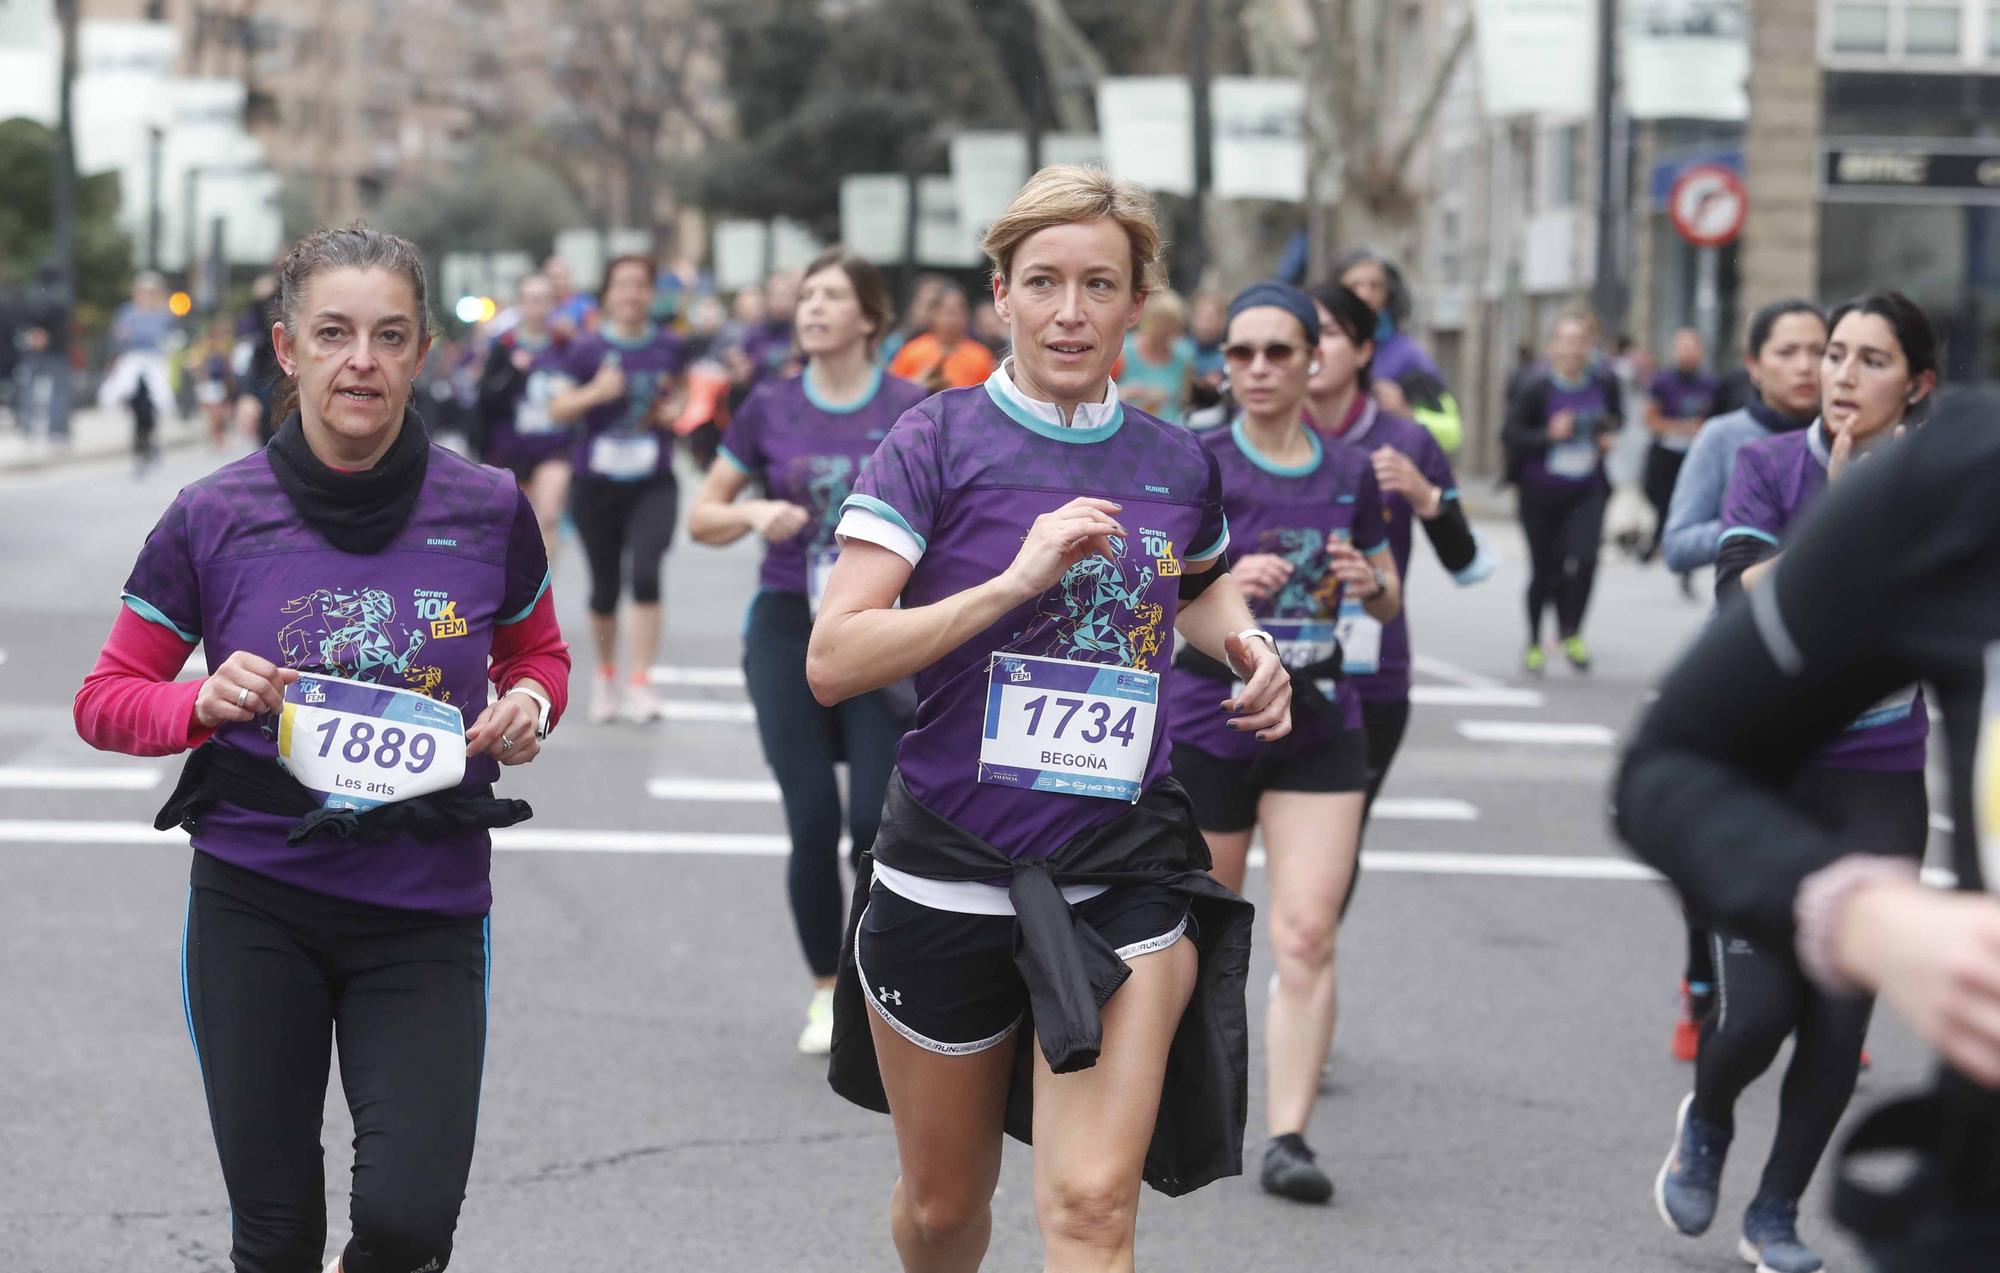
[131,702]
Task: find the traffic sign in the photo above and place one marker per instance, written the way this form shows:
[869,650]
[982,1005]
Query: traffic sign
[1707,205]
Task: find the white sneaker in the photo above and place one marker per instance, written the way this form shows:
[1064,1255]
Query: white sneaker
[603,700]
[639,706]
[817,1038]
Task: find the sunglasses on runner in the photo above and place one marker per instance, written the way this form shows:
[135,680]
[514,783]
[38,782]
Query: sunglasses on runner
[1277,354]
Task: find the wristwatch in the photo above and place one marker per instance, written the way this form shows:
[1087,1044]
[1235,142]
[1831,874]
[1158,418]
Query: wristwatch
[542,708]
[1269,640]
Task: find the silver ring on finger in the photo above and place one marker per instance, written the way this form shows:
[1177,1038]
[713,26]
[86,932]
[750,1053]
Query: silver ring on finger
[506,743]
[242,695]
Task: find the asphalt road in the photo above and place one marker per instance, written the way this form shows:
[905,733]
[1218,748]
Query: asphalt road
[1503,1092]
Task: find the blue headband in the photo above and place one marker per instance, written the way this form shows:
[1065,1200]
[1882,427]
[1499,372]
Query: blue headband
[1279,296]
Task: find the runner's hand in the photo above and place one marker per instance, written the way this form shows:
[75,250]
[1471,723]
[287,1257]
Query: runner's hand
[1258,575]
[1395,473]
[1265,702]
[1060,539]
[1934,957]
[215,704]
[1842,453]
[1562,425]
[1355,572]
[777,520]
[512,718]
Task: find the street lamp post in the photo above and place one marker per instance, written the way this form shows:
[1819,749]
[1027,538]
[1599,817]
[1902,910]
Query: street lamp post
[63,244]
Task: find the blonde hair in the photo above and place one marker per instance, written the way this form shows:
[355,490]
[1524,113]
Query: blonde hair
[1162,307]
[1066,194]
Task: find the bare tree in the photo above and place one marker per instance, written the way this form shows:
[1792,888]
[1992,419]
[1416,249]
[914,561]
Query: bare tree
[632,77]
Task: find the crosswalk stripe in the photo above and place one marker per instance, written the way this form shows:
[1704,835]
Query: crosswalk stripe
[20,777]
[713,790]
[722,677]
[1430,665]
[1547,733]
[1473,696]
[1421,809]
[712,713]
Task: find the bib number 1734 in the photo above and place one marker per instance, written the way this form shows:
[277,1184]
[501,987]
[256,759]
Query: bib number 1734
[1067,726]
[1097,726]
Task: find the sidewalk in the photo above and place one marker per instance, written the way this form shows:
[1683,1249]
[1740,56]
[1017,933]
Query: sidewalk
[94,435]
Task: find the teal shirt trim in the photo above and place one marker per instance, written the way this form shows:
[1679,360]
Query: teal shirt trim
[148,611]
[869,504]
[1075,437]
[1242,439]
[1381,547]
[611,338]
[831,407]
[735,459]
[530,607]
[1753,533]
[1221,542]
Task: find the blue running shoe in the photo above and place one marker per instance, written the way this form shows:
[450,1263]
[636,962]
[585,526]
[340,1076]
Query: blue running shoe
[1688,1181]
[1771,1238]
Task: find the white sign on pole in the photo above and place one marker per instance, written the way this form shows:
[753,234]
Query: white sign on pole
[740,251]
[122,93]
[1538,57]
[1687,59]
[793,247]
[875,216]
[1148,123]
[1258,137]
[942,238]
[986,171]
[30,60]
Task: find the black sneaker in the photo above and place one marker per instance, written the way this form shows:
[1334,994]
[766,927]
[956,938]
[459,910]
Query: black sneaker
[1290,1172]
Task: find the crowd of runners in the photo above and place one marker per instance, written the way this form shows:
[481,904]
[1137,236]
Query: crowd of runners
[1086,587]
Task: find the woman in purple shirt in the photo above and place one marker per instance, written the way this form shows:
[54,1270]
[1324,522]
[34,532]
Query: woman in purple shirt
[1867,787]
[1042,951]
[623,395]
[1309,547]
[803,440]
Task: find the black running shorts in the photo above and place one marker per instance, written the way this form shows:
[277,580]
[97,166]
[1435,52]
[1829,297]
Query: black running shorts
[1225,792]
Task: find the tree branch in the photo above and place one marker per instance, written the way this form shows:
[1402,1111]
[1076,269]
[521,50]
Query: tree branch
[1068,56]
[1426,115]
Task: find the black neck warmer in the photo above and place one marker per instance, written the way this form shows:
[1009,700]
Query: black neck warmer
[1777,421]
[357,512]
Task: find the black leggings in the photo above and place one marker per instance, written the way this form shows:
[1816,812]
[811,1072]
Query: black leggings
[1761,996]
[802,742]
[1564,529]
[1663,469]
[613,518]
[273,976]
[1384,723]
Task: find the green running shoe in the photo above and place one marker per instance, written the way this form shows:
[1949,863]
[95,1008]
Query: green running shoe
[1535,660]
[1577,653]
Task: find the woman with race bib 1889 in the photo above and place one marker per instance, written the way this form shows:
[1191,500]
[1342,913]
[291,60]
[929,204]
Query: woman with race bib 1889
[1025,960]
[803,439]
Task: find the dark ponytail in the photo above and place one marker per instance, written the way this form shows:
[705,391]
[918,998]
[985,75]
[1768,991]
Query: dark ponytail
[1354,318]
[1912,326]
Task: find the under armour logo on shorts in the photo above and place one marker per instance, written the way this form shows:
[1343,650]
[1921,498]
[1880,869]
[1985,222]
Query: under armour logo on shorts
[887,995]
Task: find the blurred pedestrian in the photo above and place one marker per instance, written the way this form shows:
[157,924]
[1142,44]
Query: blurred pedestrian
[523,368]
[989,329]
[916,315]
[46,375]
[1208,323]
[1159,359]
[11,334]
[256,364]
[1407,381]
[575,312]
[770,344]
[946,356]
[141,332]
[208,364]
[1678,401]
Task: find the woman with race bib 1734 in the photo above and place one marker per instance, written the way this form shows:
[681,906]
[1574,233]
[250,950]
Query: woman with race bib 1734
[1025,959]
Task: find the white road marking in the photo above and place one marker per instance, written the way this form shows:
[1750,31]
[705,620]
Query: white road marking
[1457,675]
[738,844]
[725,677]
[712,789]
[18,777]
[1545,733]
[1419,809]
[3,656]
[711,713]
[1473,696]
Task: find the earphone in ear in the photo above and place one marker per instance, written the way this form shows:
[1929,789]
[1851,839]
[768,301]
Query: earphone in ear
[1312,368]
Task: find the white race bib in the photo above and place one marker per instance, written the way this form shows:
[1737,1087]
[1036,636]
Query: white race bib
[1060,725]
[1576,458]
[531,414]
[210,392]
[819,568]
[625,457]
[1360,639]
[1302,642]
[357,745]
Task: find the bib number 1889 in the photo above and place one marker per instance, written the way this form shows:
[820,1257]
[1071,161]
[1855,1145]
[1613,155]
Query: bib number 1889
[1096,730]
[386,751]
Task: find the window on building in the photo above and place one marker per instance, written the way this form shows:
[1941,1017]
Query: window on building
[1861,28]
[1931,31]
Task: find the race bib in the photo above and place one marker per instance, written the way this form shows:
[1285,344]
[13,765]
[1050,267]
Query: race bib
[531,414]
[1575,459]
[357,745]
[1890,710]
[1360,639]
[210,392]
[1302,642]
[1059,725]
[819,568]
[625,457]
